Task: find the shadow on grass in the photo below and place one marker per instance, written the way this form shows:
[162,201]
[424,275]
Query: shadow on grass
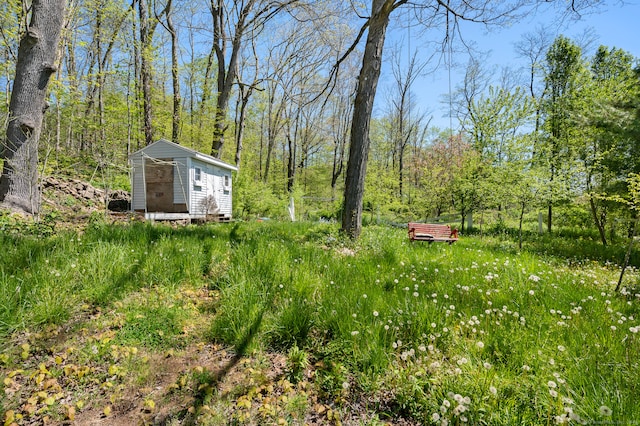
[209,383]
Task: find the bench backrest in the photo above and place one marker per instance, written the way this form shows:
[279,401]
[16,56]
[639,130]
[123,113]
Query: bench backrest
[438,231]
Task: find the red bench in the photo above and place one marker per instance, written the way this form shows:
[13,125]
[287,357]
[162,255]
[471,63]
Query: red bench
[431,232]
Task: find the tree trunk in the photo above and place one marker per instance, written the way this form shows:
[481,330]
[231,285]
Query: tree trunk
[360,125]
[627,254]
[241,112]
[145,71]
[522,208]
[175,78]
[36,63]
[226,72]
[599,223]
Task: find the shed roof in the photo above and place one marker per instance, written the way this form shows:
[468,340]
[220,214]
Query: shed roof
[190,153]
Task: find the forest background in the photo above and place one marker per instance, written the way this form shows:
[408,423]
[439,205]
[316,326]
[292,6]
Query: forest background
[269,86]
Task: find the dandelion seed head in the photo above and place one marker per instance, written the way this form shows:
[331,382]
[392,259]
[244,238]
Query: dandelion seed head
[605,411]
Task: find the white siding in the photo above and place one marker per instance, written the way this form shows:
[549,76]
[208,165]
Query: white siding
[223,194]
[198,190]
[162,149]
[137,183]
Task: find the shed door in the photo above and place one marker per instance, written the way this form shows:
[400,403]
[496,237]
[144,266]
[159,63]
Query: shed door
[159,183]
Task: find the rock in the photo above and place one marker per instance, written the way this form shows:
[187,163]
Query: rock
[118,200]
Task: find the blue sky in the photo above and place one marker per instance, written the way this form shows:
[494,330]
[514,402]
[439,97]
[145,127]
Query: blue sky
[614,25]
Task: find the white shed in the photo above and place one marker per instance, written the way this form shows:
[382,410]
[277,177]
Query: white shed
[170,181]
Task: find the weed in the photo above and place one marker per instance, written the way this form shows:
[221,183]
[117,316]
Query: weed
[297,363]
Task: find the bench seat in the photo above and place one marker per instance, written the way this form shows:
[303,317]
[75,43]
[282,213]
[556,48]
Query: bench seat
[431,232]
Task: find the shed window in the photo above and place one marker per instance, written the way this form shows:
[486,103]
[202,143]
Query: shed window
[227,181]
[197,174]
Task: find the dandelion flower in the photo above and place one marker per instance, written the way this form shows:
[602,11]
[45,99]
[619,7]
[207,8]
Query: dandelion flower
[493,390]
[435,417]
[561,348]
[552,384]
[531,292]
[487,365]
[553,393]
[354,333]
[480,345]
[375,313]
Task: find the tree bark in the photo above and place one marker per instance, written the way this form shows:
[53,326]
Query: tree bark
[175,78]
[363,107]
[145,71]
[36,63]
[599,221]
[226,72]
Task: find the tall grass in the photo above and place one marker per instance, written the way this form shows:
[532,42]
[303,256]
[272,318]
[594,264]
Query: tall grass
[47,280]
[476,332]
[528,338]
